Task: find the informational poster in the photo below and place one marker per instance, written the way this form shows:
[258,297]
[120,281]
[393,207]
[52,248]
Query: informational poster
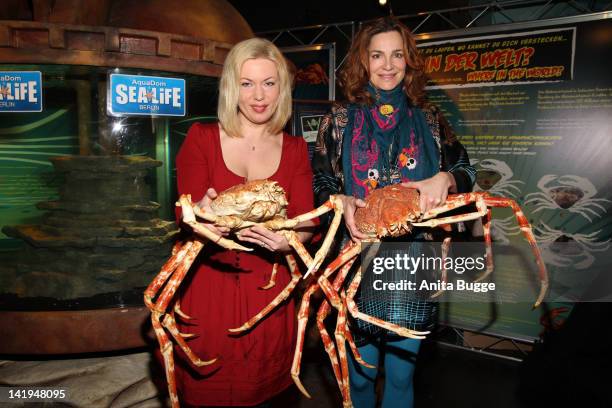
[523,57]
[533,107]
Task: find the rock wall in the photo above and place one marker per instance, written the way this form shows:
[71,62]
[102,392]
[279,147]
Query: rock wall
[101,235]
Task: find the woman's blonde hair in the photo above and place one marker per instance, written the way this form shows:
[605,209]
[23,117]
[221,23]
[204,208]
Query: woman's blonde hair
[229,86]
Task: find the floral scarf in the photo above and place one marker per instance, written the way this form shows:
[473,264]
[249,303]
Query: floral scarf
[386,143]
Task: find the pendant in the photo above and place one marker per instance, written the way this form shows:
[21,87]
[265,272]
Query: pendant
[386,109]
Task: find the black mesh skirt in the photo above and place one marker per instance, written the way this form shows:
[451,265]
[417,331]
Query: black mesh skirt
[410,306]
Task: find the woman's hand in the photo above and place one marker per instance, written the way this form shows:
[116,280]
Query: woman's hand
[434,190]
[265,238]
[350,205]
[204,204]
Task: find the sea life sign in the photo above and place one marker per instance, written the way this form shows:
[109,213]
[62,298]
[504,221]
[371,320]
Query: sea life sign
[146,95]
[20,91]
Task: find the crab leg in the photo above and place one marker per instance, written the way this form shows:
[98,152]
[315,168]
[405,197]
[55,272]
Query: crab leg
[330,348]
[445,247]
[354,311]
[340,335]
[326,286]
[354,349]
[329,237]
[453,202]
[294,241]
[165,347]
[169,292]
[336,301]
[528,232]
[483,201]
[171,287]
[486,227]
[328,343]
[299,346]
[272,282]
[333,204]
[179,251]
[284,294]
[159,308]
[349,252]
[189,218]
[170,324]
[178,311]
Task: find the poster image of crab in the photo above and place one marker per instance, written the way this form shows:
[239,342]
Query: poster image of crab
[573,231]
[570,219]
[576,195]
[564,249]
[560,246]
[567,192]
[497,178]
[572,259]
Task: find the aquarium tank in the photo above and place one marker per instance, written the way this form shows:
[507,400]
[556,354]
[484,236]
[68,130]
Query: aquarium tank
[87,198]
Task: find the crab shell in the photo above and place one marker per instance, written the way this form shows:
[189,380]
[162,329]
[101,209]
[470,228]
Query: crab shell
[256,201]
[389,211]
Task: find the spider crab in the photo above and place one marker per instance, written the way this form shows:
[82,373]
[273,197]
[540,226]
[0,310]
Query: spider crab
[495,177]
[260,202]
[389,212]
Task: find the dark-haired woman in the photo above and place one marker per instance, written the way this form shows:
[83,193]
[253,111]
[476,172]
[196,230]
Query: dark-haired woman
[387,134]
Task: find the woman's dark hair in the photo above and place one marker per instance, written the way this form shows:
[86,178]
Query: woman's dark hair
[354,76]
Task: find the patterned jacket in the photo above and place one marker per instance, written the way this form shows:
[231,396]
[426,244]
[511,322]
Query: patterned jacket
[402,307]
[327,158]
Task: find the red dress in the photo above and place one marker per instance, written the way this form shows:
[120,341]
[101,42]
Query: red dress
[222,289]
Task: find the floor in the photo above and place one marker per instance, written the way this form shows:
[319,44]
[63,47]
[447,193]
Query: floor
[446,377]
[570,368]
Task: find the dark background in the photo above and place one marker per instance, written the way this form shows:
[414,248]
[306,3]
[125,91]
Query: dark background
[270,15]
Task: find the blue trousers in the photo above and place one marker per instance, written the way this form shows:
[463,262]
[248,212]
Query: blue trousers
[399,360]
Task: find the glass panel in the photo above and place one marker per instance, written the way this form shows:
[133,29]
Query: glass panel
[87,200]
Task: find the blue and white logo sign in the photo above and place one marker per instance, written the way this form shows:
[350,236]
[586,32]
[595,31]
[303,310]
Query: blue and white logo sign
[20,91]
[146,95]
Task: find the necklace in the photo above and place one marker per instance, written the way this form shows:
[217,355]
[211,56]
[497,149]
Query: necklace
[386,109]
[252,145]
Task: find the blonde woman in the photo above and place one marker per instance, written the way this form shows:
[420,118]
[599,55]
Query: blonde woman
[246,144]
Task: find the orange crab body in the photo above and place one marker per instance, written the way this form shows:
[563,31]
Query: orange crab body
[389,211]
